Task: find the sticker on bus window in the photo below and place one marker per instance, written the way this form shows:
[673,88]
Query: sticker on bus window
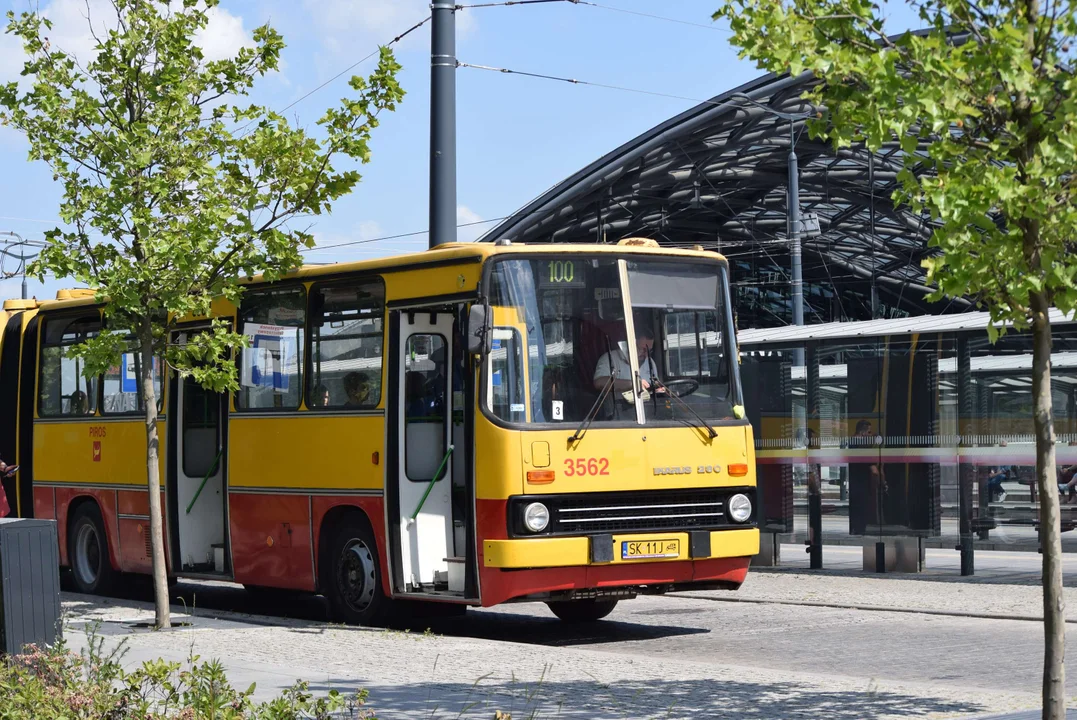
[516,407]
[270,360]
[557,409]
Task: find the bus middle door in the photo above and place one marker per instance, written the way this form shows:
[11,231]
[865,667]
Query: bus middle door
[424,450]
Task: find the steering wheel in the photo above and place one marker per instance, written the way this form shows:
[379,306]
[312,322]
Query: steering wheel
[683,387]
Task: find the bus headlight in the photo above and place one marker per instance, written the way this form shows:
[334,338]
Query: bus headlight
[536,517]
[739,508]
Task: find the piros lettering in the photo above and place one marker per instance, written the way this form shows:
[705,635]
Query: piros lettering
[96,431]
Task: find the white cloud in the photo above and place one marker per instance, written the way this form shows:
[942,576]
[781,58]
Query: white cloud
[71,32]
[368,230]
[467,216]
[12,58]
[377,22]
[71,22]
[223,35]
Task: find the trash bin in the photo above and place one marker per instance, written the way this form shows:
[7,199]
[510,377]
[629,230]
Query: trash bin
[29,584]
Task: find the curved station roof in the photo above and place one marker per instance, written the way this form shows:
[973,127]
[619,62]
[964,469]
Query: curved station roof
[717,175]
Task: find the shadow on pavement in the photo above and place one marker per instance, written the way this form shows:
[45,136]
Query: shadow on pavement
[647,699]
[204,598]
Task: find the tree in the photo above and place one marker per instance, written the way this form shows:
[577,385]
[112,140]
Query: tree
[173,190]
[984,104]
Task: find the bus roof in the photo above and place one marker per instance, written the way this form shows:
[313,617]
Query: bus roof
[451,252]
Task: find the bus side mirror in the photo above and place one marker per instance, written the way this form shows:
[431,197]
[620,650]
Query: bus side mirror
[478,331]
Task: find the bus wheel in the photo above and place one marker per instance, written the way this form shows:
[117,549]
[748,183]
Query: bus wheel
[579,611]
[87,549]
[354,582]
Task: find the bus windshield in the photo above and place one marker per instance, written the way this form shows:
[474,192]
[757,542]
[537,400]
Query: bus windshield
[652,333]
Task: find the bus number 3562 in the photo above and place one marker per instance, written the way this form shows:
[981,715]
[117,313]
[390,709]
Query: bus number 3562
[588,466]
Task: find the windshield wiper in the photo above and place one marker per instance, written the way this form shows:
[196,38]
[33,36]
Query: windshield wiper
[590,416]
[704,425]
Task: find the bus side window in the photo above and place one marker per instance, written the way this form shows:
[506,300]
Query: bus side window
[506,377]
[346,345]
[121,385]
[271,367]
[63,389]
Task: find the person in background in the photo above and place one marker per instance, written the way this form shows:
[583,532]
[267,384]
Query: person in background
[1067,482]
[415,405]
[357,388]
[80,403]
[319,398]
[995,476]
[6,471]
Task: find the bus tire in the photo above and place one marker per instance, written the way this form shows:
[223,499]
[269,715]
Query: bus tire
[353,577]
[582,611]
[87,551]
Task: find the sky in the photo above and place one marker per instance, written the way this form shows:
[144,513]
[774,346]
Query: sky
[516,136]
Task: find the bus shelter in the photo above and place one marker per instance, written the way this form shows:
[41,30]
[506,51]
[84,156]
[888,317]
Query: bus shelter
[902,435]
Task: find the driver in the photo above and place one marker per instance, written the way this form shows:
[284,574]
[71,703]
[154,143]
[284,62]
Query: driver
[622,370]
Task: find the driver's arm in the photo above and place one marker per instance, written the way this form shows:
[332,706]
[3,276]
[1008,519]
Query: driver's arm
[602,376]
[618,384]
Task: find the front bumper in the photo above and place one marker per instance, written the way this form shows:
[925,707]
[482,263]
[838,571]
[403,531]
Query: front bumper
[554,552]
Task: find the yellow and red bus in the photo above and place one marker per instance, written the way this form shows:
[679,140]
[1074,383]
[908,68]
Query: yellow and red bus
[474,424]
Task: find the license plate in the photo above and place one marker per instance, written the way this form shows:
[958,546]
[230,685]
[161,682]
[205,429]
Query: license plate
[650,549]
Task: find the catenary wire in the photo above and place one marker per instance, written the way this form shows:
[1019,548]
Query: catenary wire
[346,70]
[574,81]
[649,15]
[394,237]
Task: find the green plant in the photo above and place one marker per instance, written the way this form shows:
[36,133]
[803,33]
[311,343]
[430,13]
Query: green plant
[52,683]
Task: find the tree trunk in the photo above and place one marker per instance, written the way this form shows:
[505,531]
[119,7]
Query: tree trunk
[153,478]
[1054,624]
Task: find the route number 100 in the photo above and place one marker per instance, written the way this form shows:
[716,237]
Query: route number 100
[562,271]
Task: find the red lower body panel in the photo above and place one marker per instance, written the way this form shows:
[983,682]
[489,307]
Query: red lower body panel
[275,537]
[500,585]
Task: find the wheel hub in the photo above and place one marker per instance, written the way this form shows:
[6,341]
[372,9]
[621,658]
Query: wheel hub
[87,554]
[357,575]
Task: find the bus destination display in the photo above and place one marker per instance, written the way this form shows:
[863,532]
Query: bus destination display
[570,273]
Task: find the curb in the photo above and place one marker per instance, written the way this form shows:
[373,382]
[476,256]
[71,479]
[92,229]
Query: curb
[875,608]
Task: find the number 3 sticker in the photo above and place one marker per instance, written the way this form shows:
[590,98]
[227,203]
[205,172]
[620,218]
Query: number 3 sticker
[587,466]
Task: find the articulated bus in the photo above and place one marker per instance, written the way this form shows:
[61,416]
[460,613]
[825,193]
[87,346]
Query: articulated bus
[474,424]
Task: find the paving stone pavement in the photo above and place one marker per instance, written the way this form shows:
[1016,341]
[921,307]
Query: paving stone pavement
[664,657]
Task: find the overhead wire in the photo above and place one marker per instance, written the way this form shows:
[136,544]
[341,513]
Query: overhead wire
[600,6]
[649,15]
[346,70]
[575,81]
[366,241]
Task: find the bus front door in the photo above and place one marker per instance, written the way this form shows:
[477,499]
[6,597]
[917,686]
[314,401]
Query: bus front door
[423,396]
[197,493]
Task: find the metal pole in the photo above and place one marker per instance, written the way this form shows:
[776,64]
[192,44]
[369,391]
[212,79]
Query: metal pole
[794,231]
[442,123]
[966,471]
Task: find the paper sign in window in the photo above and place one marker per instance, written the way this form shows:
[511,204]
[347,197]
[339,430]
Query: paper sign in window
[270,360]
